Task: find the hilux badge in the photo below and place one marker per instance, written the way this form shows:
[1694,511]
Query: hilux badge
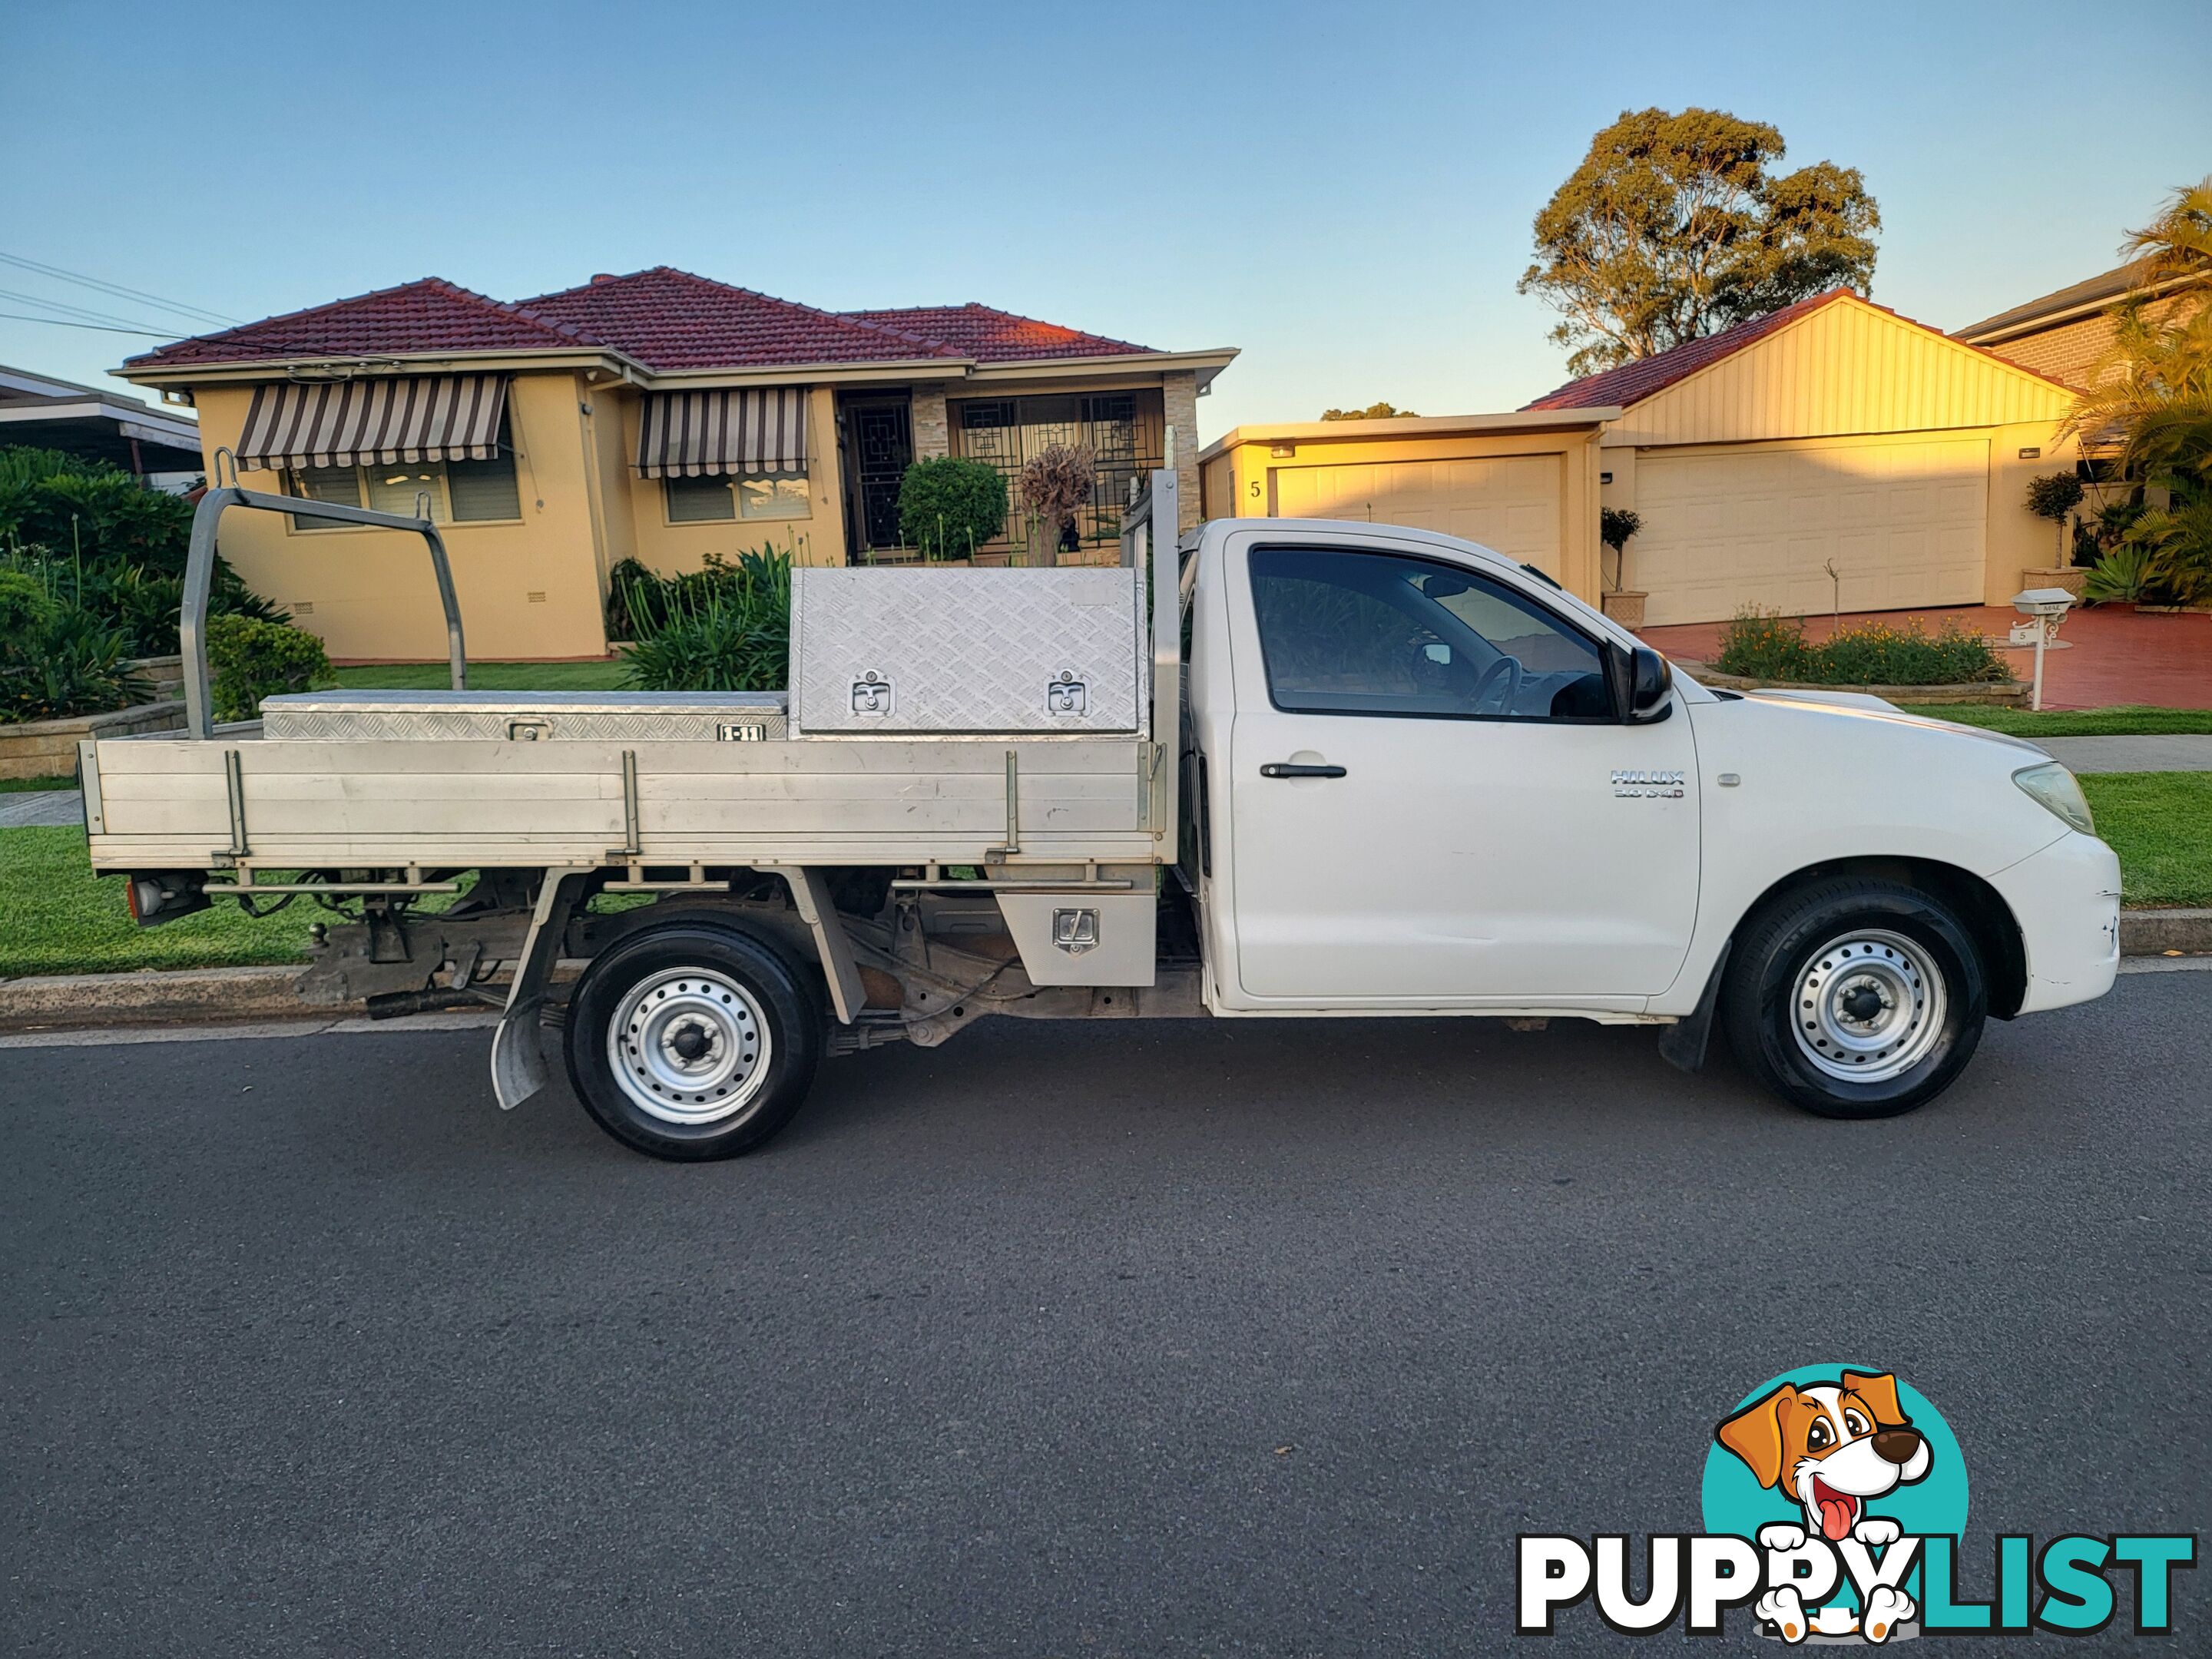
[1647,786]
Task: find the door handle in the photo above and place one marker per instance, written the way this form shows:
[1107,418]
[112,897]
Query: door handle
[1291,769]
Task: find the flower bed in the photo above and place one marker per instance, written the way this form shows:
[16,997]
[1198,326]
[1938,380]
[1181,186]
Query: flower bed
[1773,650]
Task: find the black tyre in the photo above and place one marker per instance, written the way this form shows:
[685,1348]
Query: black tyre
[693,1040]
[1856,998]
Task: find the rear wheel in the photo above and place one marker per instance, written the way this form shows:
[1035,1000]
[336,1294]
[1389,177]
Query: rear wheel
[692,1041]
[1856,998]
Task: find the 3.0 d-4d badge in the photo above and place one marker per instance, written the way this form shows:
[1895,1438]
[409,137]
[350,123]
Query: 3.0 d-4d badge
[1647,786]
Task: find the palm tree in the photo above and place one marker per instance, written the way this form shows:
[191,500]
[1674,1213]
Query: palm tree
[2178,242]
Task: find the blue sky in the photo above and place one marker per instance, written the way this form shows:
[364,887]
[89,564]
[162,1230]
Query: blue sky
[1343,190]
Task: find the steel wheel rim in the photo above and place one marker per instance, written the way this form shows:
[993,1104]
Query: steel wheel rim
[1868,1006]
[689,1046]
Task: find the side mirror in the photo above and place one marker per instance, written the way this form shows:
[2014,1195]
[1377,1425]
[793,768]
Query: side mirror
[1642,681]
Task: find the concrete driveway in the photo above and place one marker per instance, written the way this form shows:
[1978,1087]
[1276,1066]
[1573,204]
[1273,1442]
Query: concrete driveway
[1209,1338]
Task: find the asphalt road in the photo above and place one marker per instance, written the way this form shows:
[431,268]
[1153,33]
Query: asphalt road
[1206,1337]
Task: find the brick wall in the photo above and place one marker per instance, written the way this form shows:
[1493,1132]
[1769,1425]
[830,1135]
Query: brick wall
[1180,394]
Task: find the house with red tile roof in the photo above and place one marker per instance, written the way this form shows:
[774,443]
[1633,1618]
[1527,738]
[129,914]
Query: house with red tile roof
[660,416]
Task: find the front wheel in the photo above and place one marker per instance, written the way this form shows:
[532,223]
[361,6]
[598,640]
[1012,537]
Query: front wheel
[692,1041]
[1856,998]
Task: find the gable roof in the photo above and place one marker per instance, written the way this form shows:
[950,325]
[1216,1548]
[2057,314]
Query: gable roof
[991,336]
[1631,382]
[431,315]
[668,318]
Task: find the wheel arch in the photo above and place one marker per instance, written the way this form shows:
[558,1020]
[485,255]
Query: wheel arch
[1989,919]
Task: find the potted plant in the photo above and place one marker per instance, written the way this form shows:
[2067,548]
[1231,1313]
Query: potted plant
[1615,526]
[2054,496]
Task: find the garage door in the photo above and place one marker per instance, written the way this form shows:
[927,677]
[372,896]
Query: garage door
[1510,503]
[1902,522]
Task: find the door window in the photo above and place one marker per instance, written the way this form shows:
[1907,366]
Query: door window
[1346,633]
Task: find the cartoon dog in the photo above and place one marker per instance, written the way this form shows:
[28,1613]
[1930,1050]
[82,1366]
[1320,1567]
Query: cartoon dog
[1831,1447]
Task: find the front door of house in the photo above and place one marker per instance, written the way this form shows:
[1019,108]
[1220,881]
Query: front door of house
[880,447]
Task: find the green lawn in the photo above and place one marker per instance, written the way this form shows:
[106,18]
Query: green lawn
[61,919]
[18,785]
[488,676]
[2124,720]
[2160,824]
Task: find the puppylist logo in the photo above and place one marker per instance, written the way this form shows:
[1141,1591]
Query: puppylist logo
[1834,1499]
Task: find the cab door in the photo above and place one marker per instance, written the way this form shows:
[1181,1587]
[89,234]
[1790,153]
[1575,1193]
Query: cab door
[1431,802]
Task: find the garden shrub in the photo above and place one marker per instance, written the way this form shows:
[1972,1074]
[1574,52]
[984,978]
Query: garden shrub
[91,511]
[58,657]
[948,507]
[251,660]
[1758,645]
[725,629]
[640,601]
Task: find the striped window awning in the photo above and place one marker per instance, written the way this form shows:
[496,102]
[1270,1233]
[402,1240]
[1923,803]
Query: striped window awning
[694,434]
[441,417]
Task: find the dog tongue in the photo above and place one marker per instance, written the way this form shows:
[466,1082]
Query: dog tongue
[1836,1518]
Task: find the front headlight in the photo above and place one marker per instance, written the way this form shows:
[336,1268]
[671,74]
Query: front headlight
[2054,787]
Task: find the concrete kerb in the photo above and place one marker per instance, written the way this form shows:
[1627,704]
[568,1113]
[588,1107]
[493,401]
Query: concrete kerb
[245,995]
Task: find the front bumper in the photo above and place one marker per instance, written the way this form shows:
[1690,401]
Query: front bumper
[2067,901]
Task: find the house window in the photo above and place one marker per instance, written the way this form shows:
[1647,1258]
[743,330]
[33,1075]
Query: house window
[755,495]
[698,500]
[462,492]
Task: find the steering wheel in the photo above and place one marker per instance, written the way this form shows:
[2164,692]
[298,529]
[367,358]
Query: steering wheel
[1507,667]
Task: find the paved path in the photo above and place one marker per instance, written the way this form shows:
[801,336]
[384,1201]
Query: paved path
[40,806]
[1258,1337]
[2170,752]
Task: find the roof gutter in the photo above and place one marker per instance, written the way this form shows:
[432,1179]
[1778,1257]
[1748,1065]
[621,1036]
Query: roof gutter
[599,358]
[1414,426]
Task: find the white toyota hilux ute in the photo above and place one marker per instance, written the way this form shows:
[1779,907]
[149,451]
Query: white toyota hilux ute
[1273,767]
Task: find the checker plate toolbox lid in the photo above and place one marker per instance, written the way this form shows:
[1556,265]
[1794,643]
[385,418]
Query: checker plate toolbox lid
[953,652]
[526,716]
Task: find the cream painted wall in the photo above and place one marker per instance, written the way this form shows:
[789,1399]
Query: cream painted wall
[673,549]
[2018,539]
[1256,473]
[1846,368]
[528,587]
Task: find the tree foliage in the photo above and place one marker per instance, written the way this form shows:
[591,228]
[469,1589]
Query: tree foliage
[1056,481]
[2178,242]
[1673,227]
[1374,411]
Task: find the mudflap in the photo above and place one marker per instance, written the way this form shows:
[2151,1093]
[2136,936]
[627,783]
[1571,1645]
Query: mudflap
[1683,1047]
[518,1054]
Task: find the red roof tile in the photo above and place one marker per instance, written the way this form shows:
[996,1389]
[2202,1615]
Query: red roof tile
[427,316]
[668,318]
[990,336]
[1632,382]
[663,318]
